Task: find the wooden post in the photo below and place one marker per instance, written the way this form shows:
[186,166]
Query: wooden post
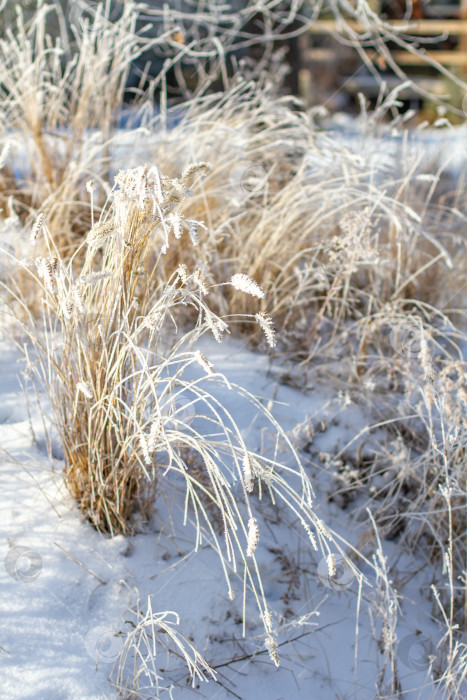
[463,36]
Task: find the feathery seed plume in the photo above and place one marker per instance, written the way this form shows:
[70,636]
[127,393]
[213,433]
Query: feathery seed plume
[67,309]
[247,473]
[245,284]
[198,277]
[193,229]
[85,388]
[182,272]
[202,168]
[154,433]
[78,300]
[47,269]
[322,528]
[204,362]
[311,536]
[176,221]
[331,562]
[271,646]
[99,233]
[193,232]
[268,328]
[94,277]
[253,537]
[145,450]
[37,227]
[214,325]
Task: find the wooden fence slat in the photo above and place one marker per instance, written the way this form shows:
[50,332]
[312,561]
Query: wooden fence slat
[435,27]
[419,26]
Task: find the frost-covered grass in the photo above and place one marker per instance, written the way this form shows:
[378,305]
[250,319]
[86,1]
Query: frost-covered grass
[342,262]
[105,353]
[95,589]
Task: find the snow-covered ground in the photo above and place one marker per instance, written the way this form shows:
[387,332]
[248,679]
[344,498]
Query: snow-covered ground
[68,592]
[379,150]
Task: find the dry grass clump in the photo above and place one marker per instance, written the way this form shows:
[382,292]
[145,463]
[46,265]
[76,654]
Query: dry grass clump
[60,107]
[414,480]
[96,373]
[62,90]
[109,355]
[360,253]
[344,243]
[150,644]
[362,256]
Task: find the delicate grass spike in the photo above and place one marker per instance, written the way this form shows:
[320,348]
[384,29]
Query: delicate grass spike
[245,284]
[267,326]
[271,646]
[248,479]
[331,562]
[37,228]
[145,450]
[204,362]
[253,537]
[201,169]
[155,433]
[85,388]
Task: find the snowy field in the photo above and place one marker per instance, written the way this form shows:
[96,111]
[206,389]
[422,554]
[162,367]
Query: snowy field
[69,594]
[278,515]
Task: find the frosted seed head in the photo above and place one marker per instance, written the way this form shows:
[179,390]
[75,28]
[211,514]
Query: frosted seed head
[182,272]
[193,232]
[271,646]
[245,284]
[198,277]
[202,168]
[331,562]
[248,479]
[253,537]
[154,434]
[267,326]
[204,362]
[145,450]
[85,388]
[37,228]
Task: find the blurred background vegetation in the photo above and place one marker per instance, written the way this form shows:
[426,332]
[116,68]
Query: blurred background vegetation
[313,49]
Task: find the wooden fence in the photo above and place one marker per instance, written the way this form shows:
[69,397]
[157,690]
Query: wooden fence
[421,27]
[450,51]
